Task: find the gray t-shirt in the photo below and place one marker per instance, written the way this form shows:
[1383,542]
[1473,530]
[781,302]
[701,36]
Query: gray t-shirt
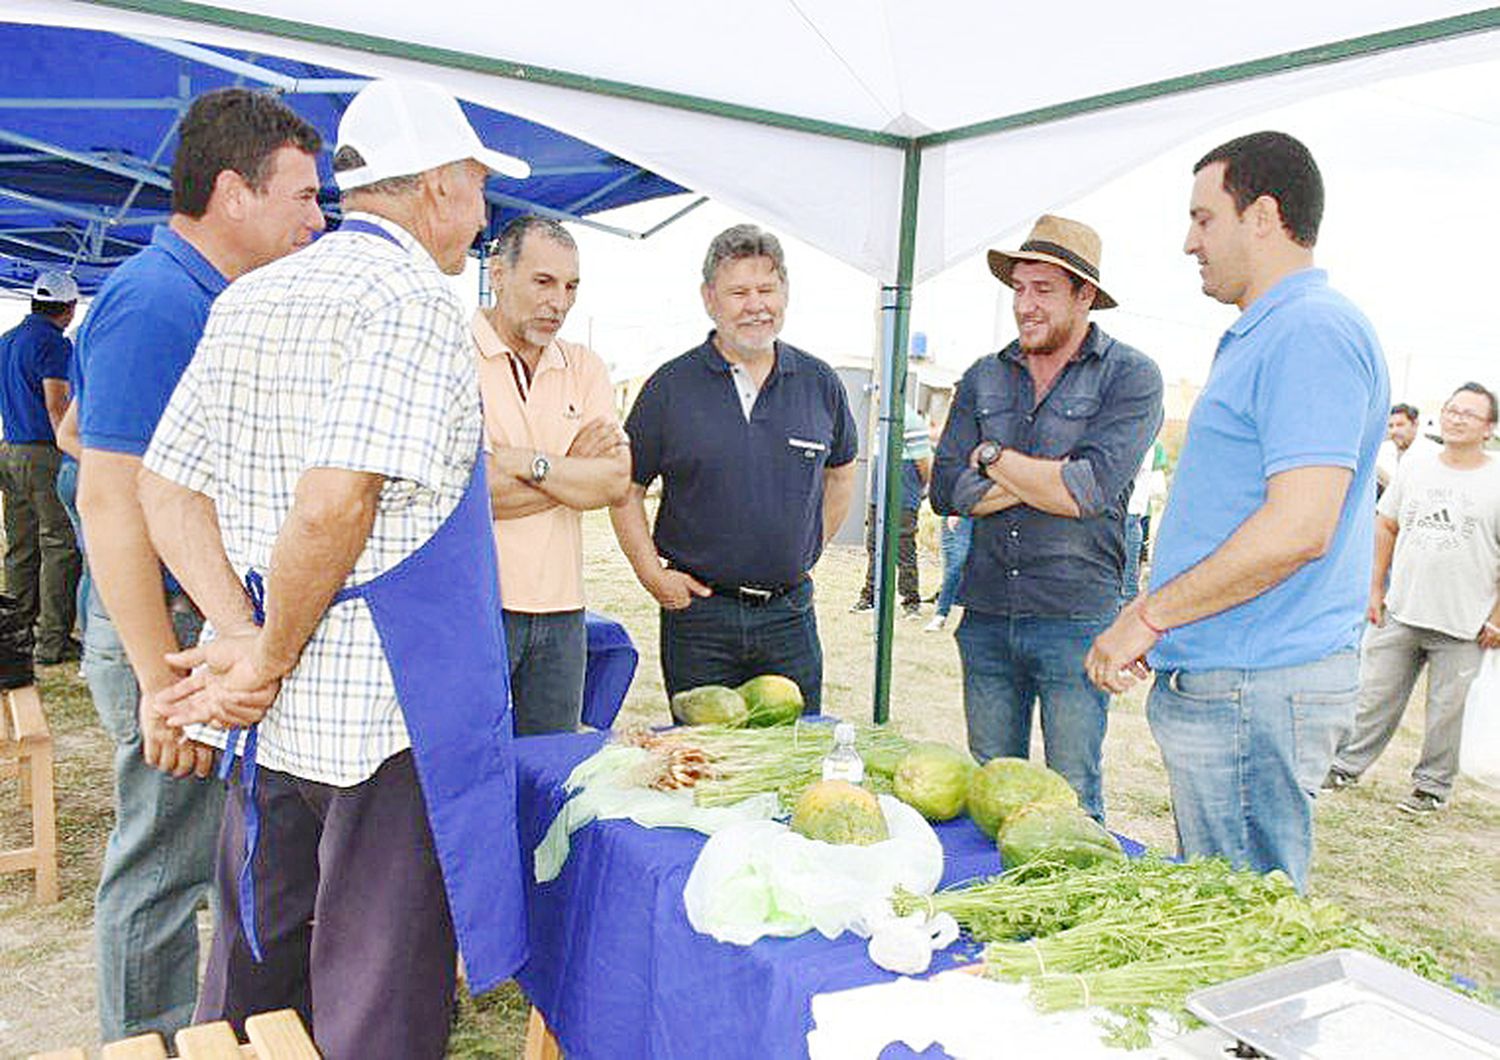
[1447,563]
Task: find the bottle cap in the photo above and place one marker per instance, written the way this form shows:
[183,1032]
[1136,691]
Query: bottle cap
[843,732]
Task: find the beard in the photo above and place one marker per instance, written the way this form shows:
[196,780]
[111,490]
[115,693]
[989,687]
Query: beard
[1055,338]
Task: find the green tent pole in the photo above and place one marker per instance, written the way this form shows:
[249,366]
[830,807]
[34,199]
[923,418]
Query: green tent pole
[896,321]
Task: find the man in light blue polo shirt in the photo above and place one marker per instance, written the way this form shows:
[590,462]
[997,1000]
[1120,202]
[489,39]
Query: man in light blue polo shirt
[244,192]
[1262,564]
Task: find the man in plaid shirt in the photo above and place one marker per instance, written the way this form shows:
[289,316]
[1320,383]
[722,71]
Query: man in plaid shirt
[329,426]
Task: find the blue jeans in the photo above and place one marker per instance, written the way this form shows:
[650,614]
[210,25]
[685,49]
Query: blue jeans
[158,864]
[1011,662]
[1135,536]
[67,492]
[955,549]
[718,640]
[1246,751]
[547,654]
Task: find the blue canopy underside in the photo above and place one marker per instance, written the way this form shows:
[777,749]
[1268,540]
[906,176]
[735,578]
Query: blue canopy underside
[87,135]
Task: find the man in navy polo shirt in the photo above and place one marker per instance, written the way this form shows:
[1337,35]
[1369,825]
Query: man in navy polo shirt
[1262,566]
[754,443]
[42,564]
[244,192]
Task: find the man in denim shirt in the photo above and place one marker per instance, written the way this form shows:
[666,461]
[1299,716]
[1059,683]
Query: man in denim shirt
[1041,447]
[1261,572]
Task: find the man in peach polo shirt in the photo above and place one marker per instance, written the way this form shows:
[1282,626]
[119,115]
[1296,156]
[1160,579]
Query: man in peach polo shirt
[556,450]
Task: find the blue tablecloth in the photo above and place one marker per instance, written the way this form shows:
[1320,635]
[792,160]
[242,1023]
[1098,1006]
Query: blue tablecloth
[610,668]
[618,971]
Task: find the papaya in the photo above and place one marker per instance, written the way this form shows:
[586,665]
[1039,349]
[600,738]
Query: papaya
[933,779]
[836,811]
[710,705]
[771,700]
[1002,786]
[1058,833]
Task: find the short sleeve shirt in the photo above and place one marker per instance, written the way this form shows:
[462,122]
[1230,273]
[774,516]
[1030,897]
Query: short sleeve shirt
[741,499]
[541,555]
[1299,380]
[1446,566]
[32,351]
[351,354]
[138,336]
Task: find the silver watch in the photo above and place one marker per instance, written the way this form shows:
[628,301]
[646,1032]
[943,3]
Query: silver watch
[540,465]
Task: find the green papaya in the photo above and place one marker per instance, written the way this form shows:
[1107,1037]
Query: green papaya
[836,811]
[1003,786]
[771,700]
[1058,833]
[933,778]
[710,705]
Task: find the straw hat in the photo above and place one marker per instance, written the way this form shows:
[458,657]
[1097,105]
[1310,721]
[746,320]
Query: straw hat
[1069,245]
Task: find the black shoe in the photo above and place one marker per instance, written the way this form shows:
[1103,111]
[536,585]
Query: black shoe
[862,605]
[1338,780]
[1420,803]
[912,610]
[71,651]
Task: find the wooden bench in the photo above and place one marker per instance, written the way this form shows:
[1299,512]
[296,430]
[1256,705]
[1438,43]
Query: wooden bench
[273,1036]
[26,750]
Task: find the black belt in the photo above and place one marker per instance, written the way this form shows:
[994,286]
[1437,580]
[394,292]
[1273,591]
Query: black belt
[750,595]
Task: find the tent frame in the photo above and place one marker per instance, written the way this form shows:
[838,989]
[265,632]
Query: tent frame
[896,298]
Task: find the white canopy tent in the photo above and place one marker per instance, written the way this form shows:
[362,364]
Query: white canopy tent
[895,136]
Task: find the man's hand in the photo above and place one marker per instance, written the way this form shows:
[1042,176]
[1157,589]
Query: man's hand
[227,685]
[1117,659]
[165,748]
[1489,633]
[600,436]
[1375,609]
[675,589]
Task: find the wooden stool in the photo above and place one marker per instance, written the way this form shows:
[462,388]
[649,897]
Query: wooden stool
[273,1036]
[26,741]
[540,1044]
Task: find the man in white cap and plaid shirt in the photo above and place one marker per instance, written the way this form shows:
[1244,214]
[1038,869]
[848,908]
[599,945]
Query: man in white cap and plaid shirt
[330,427]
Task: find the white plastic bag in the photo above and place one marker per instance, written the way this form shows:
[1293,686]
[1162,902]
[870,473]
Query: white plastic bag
[1479,754]
[761,878]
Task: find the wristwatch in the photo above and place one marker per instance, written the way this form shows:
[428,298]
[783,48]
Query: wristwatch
[540,465]
[988,453]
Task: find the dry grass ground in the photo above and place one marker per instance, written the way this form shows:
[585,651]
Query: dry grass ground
[1436,882]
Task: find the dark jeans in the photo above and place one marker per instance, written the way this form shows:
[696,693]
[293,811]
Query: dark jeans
[1011,663]
[548,653]
[906,560]
[717,640]
[351,913]
[41,557]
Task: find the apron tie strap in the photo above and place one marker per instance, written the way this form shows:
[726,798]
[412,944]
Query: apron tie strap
[255,589]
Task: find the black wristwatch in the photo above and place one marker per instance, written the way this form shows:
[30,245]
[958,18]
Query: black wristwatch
[988,453]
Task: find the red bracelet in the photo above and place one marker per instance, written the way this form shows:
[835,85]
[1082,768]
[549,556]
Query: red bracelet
[1140,613]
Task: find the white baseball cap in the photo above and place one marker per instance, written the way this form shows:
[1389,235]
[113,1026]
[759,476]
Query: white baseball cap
[401,127]
[53,286]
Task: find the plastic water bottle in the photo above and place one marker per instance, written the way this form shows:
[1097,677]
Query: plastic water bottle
[843,762]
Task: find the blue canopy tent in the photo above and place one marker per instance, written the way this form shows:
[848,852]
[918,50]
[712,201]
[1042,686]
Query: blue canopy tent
[87,134]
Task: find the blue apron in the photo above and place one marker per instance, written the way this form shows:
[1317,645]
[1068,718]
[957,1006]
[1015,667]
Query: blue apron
[438,616]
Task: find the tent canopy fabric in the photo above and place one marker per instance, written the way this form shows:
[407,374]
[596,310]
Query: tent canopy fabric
[804,114]
[87,123]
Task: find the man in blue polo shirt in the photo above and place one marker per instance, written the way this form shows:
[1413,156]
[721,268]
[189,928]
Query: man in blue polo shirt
[41,556]
[1262,564]
[244,192]
[754,443]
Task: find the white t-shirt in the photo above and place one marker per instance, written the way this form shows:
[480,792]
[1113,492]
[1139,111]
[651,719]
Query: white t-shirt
[1447,564]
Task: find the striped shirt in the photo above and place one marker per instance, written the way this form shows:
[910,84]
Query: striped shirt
[352,354]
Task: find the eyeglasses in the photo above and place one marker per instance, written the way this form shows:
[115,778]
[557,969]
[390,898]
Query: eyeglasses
[1464,414]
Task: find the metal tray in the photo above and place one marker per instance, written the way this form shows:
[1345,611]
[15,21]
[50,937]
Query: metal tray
[1349,1004]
